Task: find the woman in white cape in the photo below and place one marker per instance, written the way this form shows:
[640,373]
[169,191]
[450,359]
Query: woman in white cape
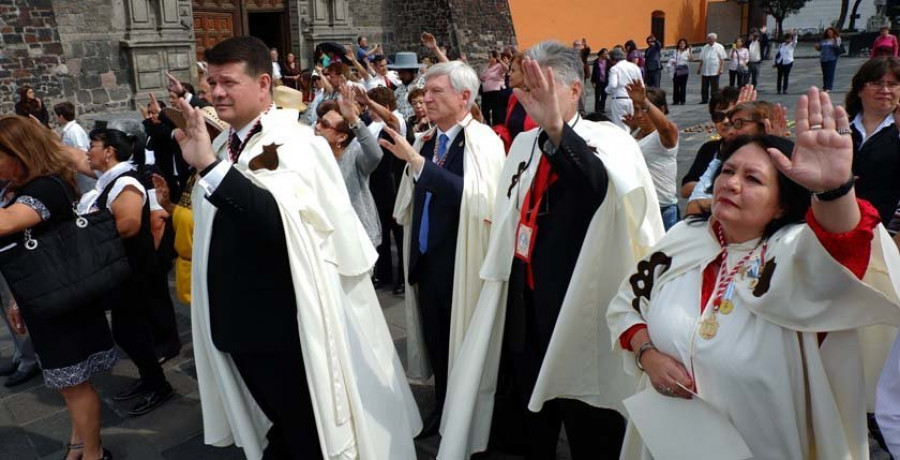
[757,313]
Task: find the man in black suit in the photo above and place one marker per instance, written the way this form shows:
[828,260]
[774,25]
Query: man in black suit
[438,172]
[252,304]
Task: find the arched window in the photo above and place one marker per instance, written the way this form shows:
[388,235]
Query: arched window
[658,26]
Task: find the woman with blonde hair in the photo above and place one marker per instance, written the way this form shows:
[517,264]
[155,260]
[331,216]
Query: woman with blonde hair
[40,186]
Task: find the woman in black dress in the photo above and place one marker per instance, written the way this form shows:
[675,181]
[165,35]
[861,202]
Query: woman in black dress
[120,190]
[72,347]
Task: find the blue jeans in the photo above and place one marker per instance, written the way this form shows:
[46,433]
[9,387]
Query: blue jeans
[670,215]
[828,70]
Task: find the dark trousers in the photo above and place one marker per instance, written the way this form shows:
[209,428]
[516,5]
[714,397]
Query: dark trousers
[600,97]
[161,317]
[653,78]
[754,72]
[593,433]
[679,89]
[736,78]
[384,267]
[784,74]
[707,84]
[493,108]
[435,288]
[828,70]
[131,331]
[277,382]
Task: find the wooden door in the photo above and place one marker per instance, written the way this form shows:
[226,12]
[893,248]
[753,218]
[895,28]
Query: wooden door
[211,28]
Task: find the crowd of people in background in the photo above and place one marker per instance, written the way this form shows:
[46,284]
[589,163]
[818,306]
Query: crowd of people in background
[510,218]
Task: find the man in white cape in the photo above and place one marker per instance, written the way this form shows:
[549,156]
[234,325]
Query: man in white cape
[544,297]
[445,205]
[274,225]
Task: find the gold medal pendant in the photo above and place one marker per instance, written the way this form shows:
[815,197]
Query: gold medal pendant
[726,307]
[753,282]
[709,327]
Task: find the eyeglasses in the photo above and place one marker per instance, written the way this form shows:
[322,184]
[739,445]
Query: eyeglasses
[738,123]
[877,85]
[415,103]
[324,123]
[718,117]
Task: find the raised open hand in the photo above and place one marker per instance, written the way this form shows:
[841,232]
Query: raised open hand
[823,151]
[637,92]
[401,149]
[194,141]
[747,94]
[429,41]
[173,84]
[539,96]
[778,125]
[347,104]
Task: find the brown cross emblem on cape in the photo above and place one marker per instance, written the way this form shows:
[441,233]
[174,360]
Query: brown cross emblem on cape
[268,159]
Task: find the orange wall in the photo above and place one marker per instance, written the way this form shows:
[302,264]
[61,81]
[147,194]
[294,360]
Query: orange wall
[605,23]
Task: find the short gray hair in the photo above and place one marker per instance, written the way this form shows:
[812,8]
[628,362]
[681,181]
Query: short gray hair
[712,35]
[564,60]
[462,77]
[617,54]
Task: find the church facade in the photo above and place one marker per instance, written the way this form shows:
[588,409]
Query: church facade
[105,56]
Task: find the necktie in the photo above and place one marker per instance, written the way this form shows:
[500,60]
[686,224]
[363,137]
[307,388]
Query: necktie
[443,140]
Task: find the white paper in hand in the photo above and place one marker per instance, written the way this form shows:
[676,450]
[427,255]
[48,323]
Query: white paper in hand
[676,428]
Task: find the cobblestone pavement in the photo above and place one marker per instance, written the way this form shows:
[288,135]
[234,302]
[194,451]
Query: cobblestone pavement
[35,425]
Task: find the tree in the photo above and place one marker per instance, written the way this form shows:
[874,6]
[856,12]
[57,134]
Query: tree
[780,9]
[853,15]
[845,5]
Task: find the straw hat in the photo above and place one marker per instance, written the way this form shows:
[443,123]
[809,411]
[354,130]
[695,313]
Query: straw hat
[286,97]
[214,125]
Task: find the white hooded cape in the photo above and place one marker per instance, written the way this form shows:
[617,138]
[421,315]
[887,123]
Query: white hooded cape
[482,163]
[362,402]
[578,364]
[770,342]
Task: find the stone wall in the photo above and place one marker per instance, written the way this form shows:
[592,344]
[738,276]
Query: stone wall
[473,26]
[30,52]
[374,19]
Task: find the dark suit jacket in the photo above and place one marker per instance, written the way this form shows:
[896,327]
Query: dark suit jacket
[171,163]
[565,214]
[251,292]
[446,186]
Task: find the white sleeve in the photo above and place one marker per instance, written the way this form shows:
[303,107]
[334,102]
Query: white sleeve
[212,179]
[887,400]
[120,185]
[701,189]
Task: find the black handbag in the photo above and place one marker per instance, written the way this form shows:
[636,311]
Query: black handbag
[68,267]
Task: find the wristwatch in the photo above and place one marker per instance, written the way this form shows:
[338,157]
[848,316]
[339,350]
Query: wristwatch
[831,195]
[358,124]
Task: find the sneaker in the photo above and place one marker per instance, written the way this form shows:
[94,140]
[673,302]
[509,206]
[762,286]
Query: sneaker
[19,377]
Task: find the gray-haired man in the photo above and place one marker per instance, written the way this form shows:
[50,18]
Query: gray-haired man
[621,74]
[712,63]
[561,243]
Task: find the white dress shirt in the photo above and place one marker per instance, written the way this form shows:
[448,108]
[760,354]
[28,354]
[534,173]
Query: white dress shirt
[711,58]
[73,135]
[621,75]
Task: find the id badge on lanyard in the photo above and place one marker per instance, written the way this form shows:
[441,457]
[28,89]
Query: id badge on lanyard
[525,236]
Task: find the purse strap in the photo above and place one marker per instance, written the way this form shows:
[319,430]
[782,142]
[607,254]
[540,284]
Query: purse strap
[30,242]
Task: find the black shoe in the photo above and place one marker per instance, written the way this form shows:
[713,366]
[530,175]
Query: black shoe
[377,283]
[703,102]
[107,455]
[164,356]
[9,368]
[136,389]
[431,426]
[20,377]
[151,400]
[399,289]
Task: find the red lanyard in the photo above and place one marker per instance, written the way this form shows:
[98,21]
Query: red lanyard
[725,276]
[544,178]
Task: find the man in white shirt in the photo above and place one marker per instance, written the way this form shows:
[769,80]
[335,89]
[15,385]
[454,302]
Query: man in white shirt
[382,76]
[621,74]
[276,67]
[712,63]
[755,57]
[73,135]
